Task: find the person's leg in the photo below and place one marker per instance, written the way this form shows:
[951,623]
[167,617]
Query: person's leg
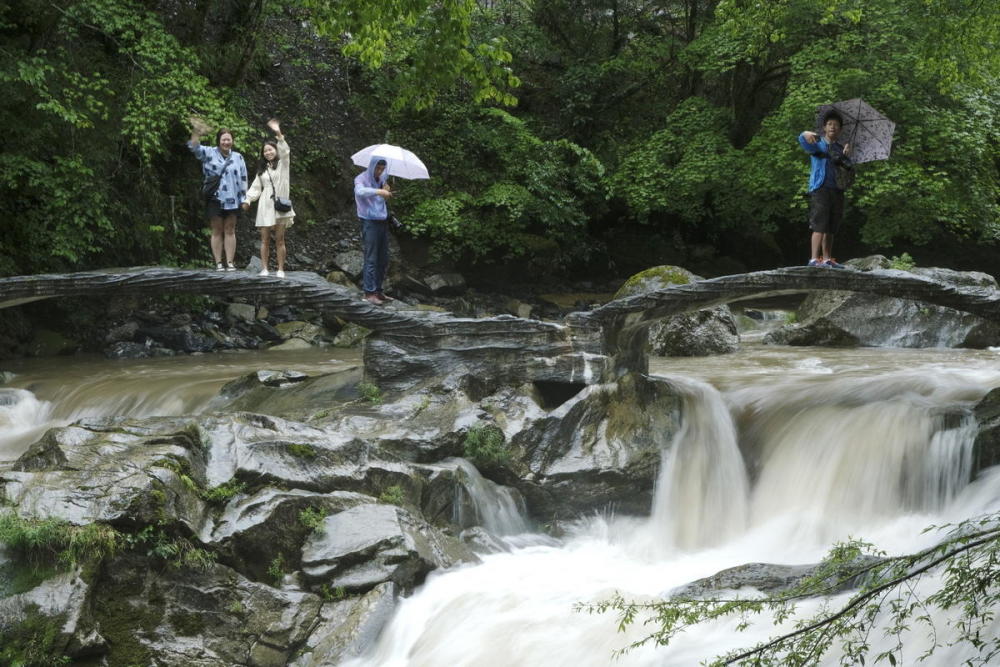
[817,249]
[818,211]
[265,246]
[279,241]
[382,256]
[368,242]
[828,246]
[229,239]
[217,225]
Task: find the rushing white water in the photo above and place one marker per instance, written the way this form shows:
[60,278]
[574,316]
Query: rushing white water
[498,509]
[781,452]
[837,445]
[701,494]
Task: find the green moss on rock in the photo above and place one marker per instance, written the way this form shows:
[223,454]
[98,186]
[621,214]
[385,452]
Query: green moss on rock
[665,275]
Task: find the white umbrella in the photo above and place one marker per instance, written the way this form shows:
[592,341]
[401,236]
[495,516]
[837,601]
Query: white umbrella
[399,161]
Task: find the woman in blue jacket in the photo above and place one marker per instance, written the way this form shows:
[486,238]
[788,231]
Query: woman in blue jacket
[225,187]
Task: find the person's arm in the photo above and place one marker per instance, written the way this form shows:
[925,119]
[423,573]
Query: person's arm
[198,128]
[283,150]
[253,194]
[365,191]
[810,142]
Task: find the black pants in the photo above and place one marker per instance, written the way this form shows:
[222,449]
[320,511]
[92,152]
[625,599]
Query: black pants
[826,210]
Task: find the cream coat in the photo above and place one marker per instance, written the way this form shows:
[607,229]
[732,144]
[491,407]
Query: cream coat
[260,190]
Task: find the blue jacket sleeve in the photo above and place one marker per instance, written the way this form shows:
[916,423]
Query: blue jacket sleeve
[808,147]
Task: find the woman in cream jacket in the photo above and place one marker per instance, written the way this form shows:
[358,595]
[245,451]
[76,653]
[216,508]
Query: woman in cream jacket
[272,180]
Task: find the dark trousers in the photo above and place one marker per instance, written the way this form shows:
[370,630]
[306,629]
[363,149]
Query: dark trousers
[375,239]
[826,210]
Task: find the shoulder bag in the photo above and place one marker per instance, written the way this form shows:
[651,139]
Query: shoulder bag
[281,204]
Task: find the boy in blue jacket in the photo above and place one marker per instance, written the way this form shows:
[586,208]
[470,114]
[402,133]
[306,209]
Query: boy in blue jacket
[826,196]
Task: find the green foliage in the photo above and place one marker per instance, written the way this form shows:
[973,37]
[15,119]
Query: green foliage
[503,192]
[370,393]
[177,552]
[32,641]
[887,601]
[276,570]
[429,43]
[484,445]
[312,517]
[302,451]
[54,541]
[392,495]
[96,90]
[332,594]
[224,492]
[902,262]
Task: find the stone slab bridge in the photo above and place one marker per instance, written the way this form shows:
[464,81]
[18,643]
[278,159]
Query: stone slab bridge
[409,348]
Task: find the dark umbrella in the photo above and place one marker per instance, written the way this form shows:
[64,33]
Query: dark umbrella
[868,131]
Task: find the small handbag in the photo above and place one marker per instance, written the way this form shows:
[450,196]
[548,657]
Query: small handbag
[281,204]
[210,187]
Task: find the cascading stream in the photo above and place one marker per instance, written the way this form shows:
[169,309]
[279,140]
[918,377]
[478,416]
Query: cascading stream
[877,454]
[702,490]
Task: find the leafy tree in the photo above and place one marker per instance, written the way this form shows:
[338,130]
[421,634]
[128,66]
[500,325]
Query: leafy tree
[431,42]
[501,192]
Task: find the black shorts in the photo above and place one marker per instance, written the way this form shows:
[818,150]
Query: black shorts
[213,209]
[826,210]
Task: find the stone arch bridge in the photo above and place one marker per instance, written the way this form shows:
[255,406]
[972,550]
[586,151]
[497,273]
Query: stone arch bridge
[409,348]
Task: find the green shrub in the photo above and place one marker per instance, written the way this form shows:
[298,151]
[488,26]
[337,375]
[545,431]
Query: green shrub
[47,541]
[312,517]
[392,495]
[370,393]
[902,262]
[484,445]
[223,493]
[302,451]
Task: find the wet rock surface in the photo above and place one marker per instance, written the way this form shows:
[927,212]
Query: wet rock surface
[700,333]
[846,319]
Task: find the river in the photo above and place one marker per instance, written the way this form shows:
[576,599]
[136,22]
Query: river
[782,452]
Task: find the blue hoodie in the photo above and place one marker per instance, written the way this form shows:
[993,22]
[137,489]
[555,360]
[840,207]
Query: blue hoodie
[370,205]
[818,157]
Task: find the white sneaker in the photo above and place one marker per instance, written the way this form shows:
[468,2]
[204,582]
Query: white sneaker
[230,267]
[220,267]
[264,272]
[280,274]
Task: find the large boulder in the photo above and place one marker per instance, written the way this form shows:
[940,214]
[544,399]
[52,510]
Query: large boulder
[348,627]
[847,319]
[371,544]
[600,449]
[198,617]
[700,333]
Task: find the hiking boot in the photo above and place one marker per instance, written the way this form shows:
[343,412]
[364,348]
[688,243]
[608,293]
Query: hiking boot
[834,264]
[384,296]
[815,262]
[373,298]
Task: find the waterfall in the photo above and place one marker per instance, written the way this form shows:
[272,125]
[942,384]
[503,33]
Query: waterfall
[498,509]
[773,468]
[702,490]
[23,418]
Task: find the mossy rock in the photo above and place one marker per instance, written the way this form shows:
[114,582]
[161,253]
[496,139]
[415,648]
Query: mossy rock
[657,277]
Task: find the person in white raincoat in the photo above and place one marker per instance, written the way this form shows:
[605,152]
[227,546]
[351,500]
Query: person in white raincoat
[273,179]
